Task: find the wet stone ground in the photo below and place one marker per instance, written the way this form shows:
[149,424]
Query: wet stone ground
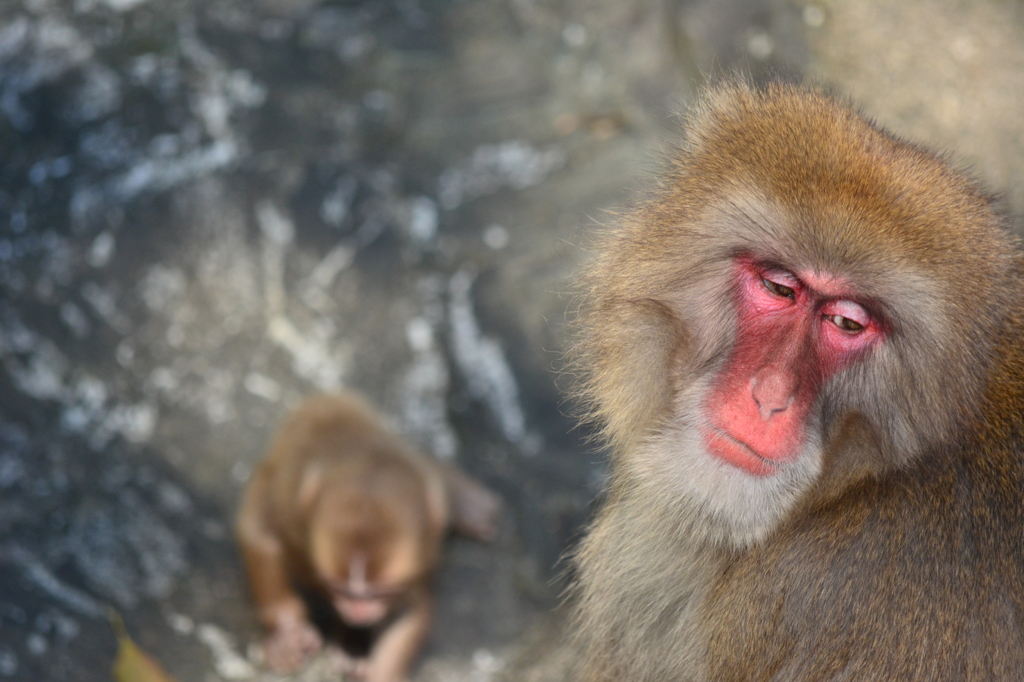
[209,210]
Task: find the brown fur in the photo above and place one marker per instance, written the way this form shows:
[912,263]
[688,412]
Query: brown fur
[337,484]
[901,554]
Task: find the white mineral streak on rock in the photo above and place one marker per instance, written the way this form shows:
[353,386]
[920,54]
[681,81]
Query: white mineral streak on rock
[102,250]
[52,48]
[484,666]
[228,663]
[496,237]
[99,94]
[486,662]
[223,90]
[173,499]
[181,623]
[278,233]
[40,370]
[312,358]
[41,373]
[482,361]
[244,90]
[227,269]
[57,623]
[75,319]
[159,551]
[135,422]
[206,389]
[424,403]
[513,164]
[311,351]
[262,386]
[104,303]
[423,220]
[8,661]
[161,285]
[38,574]
[116,5]
[156,174]
[337,203]
[315,289]
[220,92]
[218,395]
[14,37]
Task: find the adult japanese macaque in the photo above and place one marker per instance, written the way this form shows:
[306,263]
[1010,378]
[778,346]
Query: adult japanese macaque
[345,509]
[806,349]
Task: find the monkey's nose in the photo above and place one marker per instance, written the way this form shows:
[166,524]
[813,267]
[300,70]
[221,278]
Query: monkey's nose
[772,391]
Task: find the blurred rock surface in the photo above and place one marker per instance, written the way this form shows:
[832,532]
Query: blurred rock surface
[211,209]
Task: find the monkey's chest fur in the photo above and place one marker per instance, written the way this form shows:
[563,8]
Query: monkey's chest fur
[915,575]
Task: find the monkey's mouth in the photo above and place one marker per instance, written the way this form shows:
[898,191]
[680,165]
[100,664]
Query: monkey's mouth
[735,452]
[342,588]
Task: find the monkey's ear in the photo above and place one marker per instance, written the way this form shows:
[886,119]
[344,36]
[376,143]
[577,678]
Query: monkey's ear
[309,486]
[475,510]
[437,503]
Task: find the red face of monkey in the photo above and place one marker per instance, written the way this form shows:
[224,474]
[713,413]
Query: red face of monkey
[747,441]
[358,601]
[795,330]
[370,564]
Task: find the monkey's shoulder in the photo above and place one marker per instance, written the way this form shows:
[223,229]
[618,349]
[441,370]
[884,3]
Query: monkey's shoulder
[916,575]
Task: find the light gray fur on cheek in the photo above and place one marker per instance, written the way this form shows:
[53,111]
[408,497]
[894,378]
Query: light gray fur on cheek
[724,504]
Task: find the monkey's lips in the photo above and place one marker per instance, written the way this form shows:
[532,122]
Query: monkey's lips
[361,612]
[735,452]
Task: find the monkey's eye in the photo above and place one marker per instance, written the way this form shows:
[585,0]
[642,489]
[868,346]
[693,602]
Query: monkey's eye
[845,323]
[778,289]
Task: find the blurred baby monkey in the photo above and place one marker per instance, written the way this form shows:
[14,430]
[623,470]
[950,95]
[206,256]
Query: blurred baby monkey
[343,508]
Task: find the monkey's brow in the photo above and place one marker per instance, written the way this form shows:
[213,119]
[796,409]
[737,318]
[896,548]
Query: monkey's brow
[770,262]
[749,221]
